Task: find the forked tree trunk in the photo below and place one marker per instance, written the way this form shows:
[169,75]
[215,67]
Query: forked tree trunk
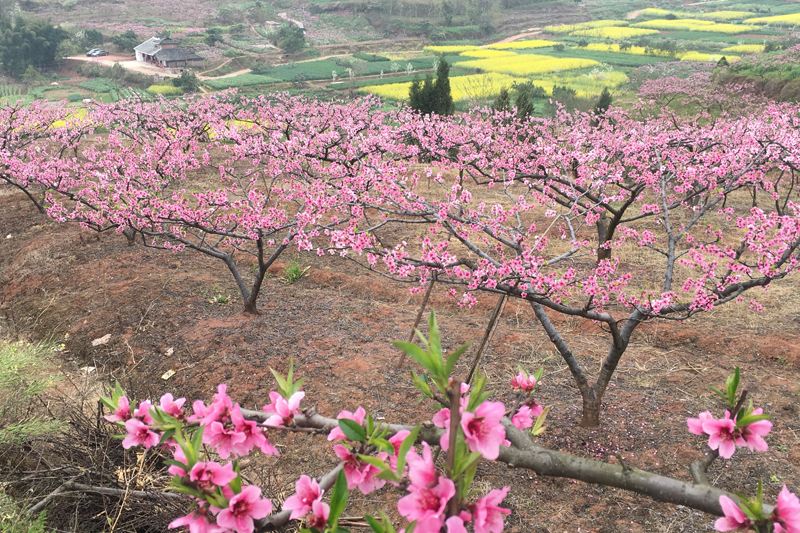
[592,402]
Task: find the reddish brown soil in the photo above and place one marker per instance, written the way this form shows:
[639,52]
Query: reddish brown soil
[337,324]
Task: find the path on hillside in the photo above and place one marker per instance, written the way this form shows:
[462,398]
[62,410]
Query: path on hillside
[228,75]
[215,68]
[530,32]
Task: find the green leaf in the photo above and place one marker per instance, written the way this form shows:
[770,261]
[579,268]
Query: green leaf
[453,358]
[466,463]
[378,463]
[538,426]
[352,430]
[416,353]
[421,383]
[434,338]
[405,447]
[384,526]
[339,497]
[732,384]
[476,392]
[283,384]
[382,444]
[376,526]
[749,419]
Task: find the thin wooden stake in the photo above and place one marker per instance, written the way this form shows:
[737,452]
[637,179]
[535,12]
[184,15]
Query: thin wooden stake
[421,311]
[498,310]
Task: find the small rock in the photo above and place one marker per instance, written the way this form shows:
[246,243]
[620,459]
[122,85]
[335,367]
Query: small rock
[9,236]
[102,340]
[169,351]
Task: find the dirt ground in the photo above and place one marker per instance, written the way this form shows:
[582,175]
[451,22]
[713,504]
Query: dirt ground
[337,323]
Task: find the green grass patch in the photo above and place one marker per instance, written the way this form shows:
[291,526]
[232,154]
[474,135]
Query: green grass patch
[244,80]
[98,85]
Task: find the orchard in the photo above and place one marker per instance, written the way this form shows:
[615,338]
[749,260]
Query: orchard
[616,220]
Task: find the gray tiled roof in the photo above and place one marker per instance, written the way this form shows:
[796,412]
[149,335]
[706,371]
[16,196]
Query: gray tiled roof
[176,54]
[150,46]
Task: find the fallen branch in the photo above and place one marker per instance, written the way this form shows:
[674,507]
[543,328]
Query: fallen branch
[523,453]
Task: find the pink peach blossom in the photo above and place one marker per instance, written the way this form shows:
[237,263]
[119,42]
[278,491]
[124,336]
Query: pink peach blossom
[487,514]
[786,515]
[734,518]
[721,435]
[282,411]
[336,433]
[523,382]
[752,435]
[196,523]
[243,509]
[139,434]
[122,412]
[171,406]
[426,505]
[208,475]
[307,491]
[483,430]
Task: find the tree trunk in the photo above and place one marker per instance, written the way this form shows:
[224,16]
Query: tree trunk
[130,234]
[250,306]
[590,416]
[603,236]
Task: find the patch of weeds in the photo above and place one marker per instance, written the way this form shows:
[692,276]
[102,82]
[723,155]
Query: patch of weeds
[294,272]
[219,298]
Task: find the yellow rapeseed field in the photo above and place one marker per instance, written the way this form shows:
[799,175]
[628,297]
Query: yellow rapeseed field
[521,45]
[694,25]
[485,52]
[569,28]
[634,50]
[745,48]
[790,19]
[470,87]
[702,56]
[450,49]
[585,85]
[654,12]
[75,117]
[528,64]
[614,32]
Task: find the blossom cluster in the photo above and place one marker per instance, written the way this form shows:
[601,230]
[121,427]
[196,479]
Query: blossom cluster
[785,517]
[726,434]
[224,503]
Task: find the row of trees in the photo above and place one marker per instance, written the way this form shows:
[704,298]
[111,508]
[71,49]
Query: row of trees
[710,207]
[433,96]
[561,213]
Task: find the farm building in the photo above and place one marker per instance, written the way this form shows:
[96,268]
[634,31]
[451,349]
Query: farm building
[166,53]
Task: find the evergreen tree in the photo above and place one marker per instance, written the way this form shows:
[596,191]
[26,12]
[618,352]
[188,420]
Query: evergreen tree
[415,98]
[503,101]
[433,96]
[526,95]
[442,101]
[604,102]
[723,62]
